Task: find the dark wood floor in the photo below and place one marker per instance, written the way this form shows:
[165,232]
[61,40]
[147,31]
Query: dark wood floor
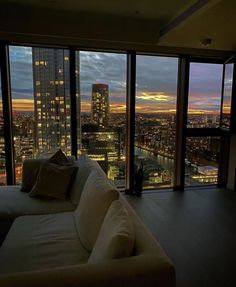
[197,229]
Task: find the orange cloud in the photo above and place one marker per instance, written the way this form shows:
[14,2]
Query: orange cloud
[154,96]
[154,102]
[202,111]
[21,105]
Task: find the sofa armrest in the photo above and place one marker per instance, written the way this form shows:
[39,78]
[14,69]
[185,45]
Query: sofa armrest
[138,271]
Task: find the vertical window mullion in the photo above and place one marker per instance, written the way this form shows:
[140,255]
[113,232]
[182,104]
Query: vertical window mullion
[233,102]
[7,113]
[181,122]
[131,82]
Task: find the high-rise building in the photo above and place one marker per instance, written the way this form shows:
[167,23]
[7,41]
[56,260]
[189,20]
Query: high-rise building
[52,99]
[100,105]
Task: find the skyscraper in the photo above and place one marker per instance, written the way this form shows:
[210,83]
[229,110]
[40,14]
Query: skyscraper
[52,99]
[100,105]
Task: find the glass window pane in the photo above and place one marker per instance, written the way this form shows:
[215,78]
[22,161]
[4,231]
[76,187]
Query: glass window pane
[202,160]
[40,102]
[103,111]
[226,105]
[3,179]
[155,112]
[205,83]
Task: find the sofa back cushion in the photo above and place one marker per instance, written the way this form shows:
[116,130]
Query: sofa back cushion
[85,166]
[116,236]
[97,196]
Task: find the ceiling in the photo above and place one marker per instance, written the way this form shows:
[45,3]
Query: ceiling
[151,24]
[148,9]
[216,22]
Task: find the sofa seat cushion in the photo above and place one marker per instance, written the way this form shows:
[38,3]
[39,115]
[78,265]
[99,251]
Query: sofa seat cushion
[14,203]
[41,242]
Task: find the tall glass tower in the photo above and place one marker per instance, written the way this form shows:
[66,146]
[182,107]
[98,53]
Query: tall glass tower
[100,105]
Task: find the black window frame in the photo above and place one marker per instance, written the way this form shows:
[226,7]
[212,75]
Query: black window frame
[182,132]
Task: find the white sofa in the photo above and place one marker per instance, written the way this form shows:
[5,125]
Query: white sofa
[51,246]
[14,203]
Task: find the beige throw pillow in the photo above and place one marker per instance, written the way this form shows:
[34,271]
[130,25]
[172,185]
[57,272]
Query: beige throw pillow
[53,181]
[97,196]
[116,237]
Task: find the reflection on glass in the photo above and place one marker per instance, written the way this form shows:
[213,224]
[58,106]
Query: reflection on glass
[205,81]
[226,105]
[201,162]
[103,111]
[2,143]
[40,102]
[156,93]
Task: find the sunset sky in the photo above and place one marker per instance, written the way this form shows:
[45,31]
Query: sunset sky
[156,82]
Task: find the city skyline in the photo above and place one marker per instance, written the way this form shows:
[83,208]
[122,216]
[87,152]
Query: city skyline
[156,88]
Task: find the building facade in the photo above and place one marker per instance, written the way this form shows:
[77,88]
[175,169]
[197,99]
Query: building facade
[52,99]
[100,105]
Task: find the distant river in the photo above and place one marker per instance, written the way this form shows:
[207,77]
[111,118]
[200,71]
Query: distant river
[165,162]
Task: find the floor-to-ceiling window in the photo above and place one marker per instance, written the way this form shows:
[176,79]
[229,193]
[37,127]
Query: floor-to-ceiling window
[227,95]
[155,118]
[2,142]
[42,114]
[40,94]
[102,108]
[204,108]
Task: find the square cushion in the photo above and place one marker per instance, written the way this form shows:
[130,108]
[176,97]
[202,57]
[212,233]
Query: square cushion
[30,173]
[97,196]
[31,168]
[41,241]
[116,237]
[53,180]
